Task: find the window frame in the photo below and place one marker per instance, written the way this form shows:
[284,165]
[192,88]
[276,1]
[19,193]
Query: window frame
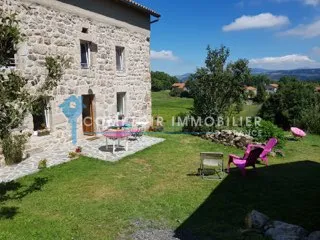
[122,96]
[87,64]
[121,67]
[12,64]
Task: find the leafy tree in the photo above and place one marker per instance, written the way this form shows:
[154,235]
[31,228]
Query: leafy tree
[15,98]
[10,37]
[176,92]
[156,85]
[162,81]
[286,107]
[310,119]
[218,87]
[256,80]
[287,79]
[261,94]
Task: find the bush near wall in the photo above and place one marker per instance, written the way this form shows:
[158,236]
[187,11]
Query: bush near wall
[13,147]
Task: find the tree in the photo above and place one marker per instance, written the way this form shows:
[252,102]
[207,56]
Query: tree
[287,79]
[15,98]
[310,119]
[162,81]
[286,107]
[261,94]
[218,87]
[256,80]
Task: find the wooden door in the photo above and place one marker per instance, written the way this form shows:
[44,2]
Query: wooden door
[88,115]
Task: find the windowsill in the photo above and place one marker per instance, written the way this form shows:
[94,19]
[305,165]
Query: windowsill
[41,133]
[85,67]
[121,73]
[8,68]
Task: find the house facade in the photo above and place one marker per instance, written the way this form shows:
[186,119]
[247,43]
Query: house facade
[108,42]
[251,91]
[272,88]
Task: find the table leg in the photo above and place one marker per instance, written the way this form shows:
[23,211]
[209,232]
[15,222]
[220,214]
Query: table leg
[126,144]
[113,147]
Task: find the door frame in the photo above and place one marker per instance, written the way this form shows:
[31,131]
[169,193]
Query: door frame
[92,113]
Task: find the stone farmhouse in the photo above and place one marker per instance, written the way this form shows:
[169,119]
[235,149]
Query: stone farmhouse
[108,42]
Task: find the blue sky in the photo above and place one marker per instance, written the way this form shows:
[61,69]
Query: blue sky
[272,34]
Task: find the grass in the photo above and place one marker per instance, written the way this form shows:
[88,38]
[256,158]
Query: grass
[167,107]
[92,199]
[250,110]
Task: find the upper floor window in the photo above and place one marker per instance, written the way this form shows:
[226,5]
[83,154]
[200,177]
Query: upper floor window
[120,59]
[85,54]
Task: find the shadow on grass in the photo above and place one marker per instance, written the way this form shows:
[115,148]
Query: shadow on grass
[16,191]
[287,192]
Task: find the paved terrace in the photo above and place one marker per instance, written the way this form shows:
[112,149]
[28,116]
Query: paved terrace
[58,153]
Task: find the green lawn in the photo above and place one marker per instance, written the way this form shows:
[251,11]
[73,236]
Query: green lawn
[167,107]
[250,110]
[92,199]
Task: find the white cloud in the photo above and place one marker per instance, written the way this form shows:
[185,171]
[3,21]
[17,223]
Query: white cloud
[292,61]
[263,20]
[305,30]
[163,55]
[307,2]
[312,2]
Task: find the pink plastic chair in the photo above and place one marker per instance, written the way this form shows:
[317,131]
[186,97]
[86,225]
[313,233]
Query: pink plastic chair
[267,148]
[246,161]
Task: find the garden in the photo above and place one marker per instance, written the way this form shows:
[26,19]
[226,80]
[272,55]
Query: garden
[159,189]
[92,199]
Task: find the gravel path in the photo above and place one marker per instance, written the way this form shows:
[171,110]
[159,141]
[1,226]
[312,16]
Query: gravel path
[151,230]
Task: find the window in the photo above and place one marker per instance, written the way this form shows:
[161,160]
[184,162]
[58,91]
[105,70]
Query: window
[121,103]
[85,54]
[120,58]
[41,119]
[10,57]
[12,62]
[84,30]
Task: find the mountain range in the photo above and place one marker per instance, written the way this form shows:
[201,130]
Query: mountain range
[301,74]
[184,77]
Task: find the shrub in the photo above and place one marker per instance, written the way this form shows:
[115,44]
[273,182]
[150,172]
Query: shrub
[286,107]
[176,92]
[311,120]
[265,130]
[185,94]
[13,147]
[42,164]
[73,155]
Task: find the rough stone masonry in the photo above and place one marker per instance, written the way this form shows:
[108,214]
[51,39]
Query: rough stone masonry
[53,28]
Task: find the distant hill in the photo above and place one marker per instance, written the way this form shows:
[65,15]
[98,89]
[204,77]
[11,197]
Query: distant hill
[301,74]
[184,77]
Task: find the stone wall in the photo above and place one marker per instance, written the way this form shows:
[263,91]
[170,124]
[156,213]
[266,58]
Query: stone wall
[55,28]
[230,138]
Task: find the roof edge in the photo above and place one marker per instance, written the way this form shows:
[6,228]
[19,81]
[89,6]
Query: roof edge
[140,7]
